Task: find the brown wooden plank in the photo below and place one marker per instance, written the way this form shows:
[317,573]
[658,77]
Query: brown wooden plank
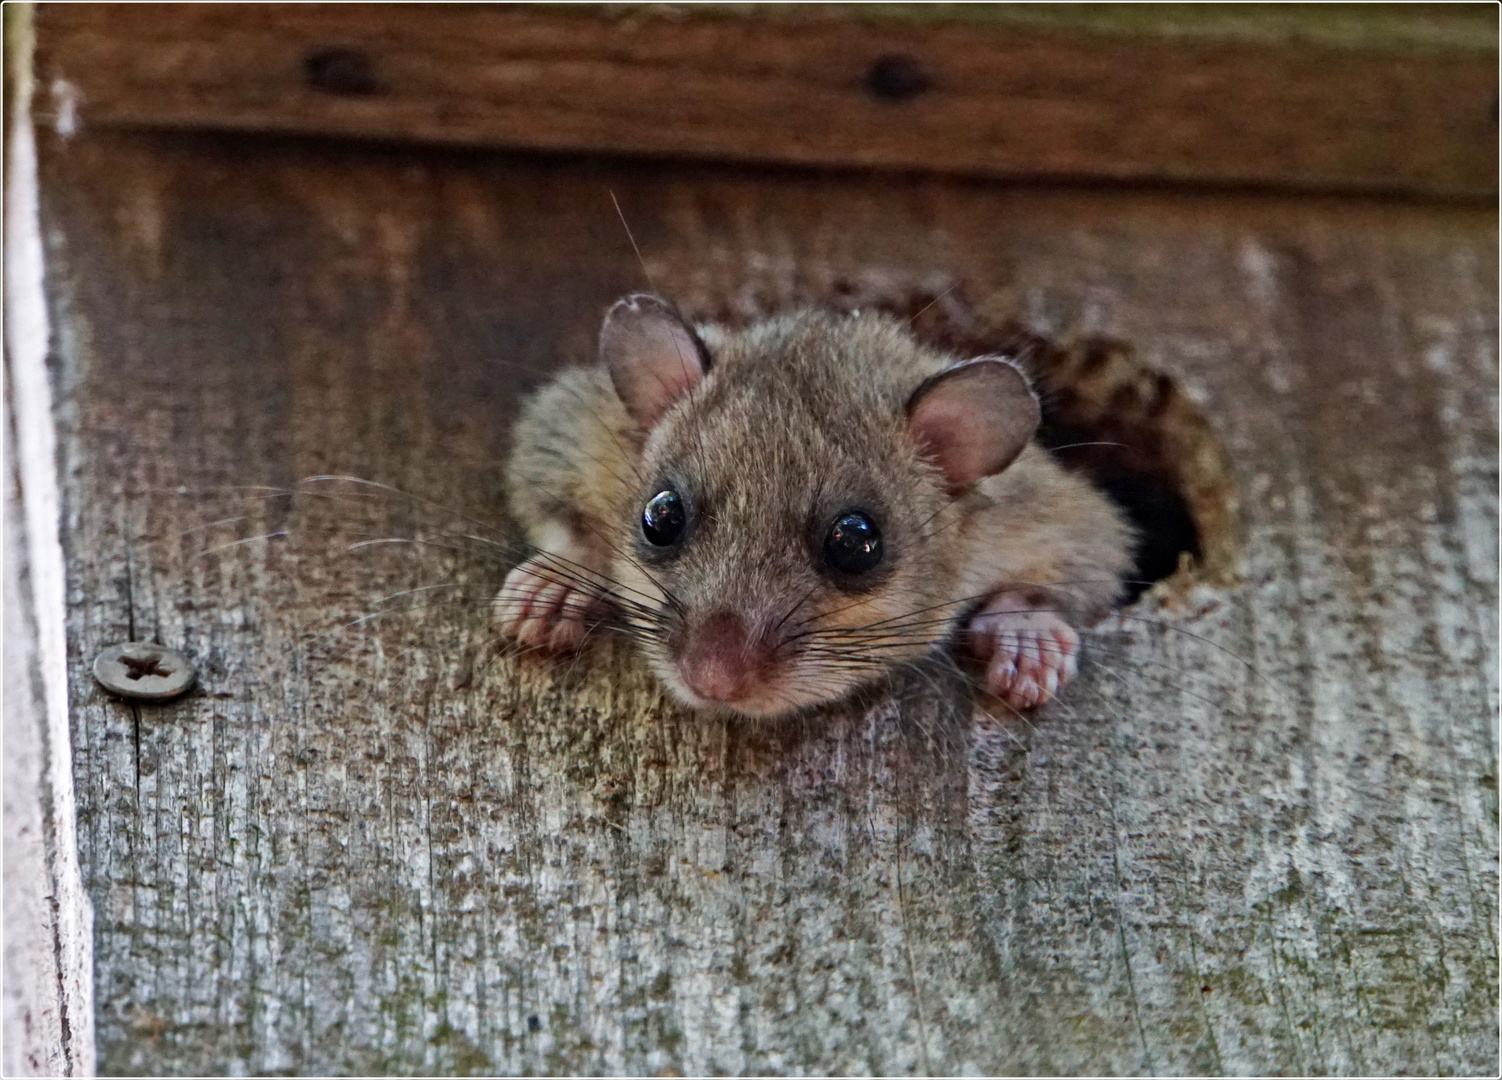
[389,850]
[1008,99]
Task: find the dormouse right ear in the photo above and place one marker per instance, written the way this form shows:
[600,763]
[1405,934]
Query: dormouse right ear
[973,419]
[653,356]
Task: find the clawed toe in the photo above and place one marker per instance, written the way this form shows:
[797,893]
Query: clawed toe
[542,611]
[1030,654]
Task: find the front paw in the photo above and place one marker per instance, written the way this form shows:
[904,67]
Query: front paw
[1030,654]
[546,605]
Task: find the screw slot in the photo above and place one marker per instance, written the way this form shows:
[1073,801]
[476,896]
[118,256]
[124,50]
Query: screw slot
[140,667]
[897,77]
[341,71]
[143,671]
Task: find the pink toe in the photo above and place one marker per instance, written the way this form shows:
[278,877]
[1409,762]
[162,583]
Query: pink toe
[534,627]
[1000,674]
[567,633]
[514,602]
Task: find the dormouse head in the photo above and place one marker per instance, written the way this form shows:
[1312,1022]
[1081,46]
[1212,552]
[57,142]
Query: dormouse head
[797,512]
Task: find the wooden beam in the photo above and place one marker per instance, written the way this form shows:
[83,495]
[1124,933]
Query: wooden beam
[1003,98]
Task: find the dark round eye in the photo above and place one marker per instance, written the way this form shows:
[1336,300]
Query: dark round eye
[663,519]
[853,545]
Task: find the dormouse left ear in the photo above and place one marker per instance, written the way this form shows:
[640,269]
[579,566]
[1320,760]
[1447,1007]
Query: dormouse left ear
[653,356]
[973,419]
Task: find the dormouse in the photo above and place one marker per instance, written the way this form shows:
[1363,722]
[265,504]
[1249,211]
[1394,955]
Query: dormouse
[781,514]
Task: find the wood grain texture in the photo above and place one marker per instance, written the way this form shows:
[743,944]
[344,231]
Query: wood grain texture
[999,100]
[1259,840]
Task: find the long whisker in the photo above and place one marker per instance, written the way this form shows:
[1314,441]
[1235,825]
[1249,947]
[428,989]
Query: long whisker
[1160,624]
[388,488]
[1077,445]
[213,525]
[583,574]
[801,601]
[238,543]
[619,213]
[932,302]
[620,553]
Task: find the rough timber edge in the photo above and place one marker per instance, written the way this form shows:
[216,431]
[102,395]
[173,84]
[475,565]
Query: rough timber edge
[48,1010]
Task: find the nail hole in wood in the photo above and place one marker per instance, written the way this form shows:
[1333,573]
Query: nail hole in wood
[897,77]
[341,71]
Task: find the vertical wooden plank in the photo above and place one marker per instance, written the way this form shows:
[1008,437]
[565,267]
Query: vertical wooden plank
[48,994]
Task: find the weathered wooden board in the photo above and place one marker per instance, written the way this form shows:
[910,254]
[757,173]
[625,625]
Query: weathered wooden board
[1383,106]
[1260,840]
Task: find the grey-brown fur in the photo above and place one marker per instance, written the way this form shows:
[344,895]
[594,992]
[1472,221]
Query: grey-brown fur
[800,417]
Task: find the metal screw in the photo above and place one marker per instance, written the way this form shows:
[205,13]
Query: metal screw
[143,671]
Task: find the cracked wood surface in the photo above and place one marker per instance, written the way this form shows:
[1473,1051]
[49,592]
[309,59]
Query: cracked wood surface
[1259,840]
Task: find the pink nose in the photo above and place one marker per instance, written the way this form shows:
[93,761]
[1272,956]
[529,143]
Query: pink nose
[722,662]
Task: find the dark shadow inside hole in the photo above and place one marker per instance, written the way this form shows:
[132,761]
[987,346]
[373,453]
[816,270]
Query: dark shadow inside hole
[1165,526]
